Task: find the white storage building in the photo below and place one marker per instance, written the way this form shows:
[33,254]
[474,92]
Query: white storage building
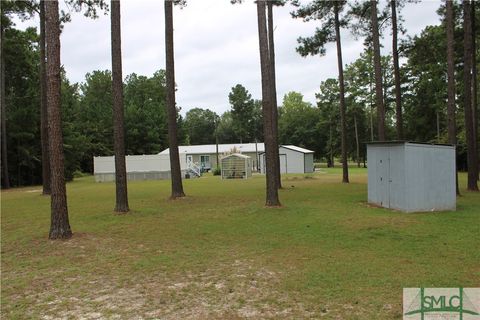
[293,159]
[411,176]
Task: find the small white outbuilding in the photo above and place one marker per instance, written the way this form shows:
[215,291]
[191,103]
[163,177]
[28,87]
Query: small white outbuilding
[410,176]
[144,167]
[293,159]
[236,166]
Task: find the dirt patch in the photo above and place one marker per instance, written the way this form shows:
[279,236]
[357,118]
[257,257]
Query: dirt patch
[33,191]
[236,290]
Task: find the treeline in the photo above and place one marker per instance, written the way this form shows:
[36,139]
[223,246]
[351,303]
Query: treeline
[87,112]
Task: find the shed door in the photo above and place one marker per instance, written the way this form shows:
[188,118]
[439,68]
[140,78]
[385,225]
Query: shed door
[283,164]
[383,166]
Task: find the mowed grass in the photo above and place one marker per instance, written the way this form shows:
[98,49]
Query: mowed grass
[220,254]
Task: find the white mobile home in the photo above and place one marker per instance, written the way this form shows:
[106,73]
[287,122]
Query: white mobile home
[205,156]
[293,159]
[195,159]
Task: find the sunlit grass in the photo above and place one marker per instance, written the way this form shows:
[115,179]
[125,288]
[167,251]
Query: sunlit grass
[219,253]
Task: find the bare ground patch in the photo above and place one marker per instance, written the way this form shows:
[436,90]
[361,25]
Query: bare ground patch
[235,290]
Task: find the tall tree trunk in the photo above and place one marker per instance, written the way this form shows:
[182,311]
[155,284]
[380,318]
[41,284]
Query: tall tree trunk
[396,72]
[452,126]
[341,82]
[273,90]
[357,140]
[43,106]
[474,89]
[438,126]
[175,171]
[378,73]
[257,160]
[216,142]
[267,105]
[121,199]
[472,161]
[332,159]
[370,82]
[4,158]
[371,122]
[60,226]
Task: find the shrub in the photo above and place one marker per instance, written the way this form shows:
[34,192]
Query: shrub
[77,174]
[217,171]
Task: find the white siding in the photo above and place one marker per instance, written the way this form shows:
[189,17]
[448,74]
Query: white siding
[372,156]
[435,188]
[295,160]
[309,166]
[291,161]
[144,163]
[104,164]
[396,179]
[283,163]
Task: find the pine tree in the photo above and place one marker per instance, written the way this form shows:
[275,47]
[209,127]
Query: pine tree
[121,199]
[329,13]
[176,174]
[272,199]
[60,226]
[472,156]
[43,106]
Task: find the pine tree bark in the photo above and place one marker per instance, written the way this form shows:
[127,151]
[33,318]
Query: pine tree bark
[472,161]
[474,90]
[175,171]
[451,109]
[332,158]
[357,140]
[378,73]
[273,82]
[272,199]
[4,157]
[43,106]
[60,226]
[438,127]
[121,203]
[396,72]
[371,105]
[343,122]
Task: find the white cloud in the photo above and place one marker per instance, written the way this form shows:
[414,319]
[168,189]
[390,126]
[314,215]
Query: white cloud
[216,47]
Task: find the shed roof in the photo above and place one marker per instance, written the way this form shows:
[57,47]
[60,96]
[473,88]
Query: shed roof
[409,142]
[239,155]
[212,148]
[298,149]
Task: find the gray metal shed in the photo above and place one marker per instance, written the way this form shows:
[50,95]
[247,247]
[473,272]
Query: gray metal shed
[411,176]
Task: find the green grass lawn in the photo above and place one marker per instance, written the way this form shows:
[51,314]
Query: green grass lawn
[220,254]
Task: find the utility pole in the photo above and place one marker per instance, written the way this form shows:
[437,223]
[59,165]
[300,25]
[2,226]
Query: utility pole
[216,140]
[257,160]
